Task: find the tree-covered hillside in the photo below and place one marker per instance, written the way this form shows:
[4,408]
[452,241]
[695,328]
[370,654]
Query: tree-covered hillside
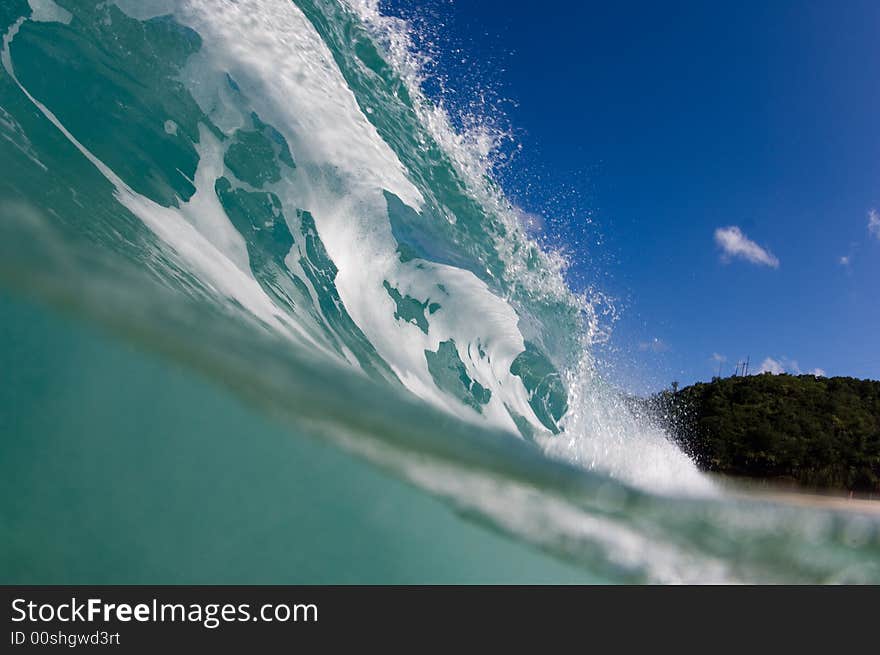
[819,432]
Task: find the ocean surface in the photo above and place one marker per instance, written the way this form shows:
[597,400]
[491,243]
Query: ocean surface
[266,317]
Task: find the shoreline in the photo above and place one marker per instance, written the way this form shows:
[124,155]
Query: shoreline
[808,499]
[805,497]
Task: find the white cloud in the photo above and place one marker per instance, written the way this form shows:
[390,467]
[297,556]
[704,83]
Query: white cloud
[654,345]
[777,365]
[770,365]
[846,260]
[874,223]
[718,359]
[734,243]
[780,365]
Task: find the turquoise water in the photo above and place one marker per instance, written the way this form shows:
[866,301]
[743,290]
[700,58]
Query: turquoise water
[116,467]
[268,319]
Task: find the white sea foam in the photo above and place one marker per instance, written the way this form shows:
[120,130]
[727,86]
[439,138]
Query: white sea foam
[288,76]
[603,433]
[46,11]
[146,9]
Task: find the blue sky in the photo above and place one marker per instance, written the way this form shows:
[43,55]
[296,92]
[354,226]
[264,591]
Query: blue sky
[714,167]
